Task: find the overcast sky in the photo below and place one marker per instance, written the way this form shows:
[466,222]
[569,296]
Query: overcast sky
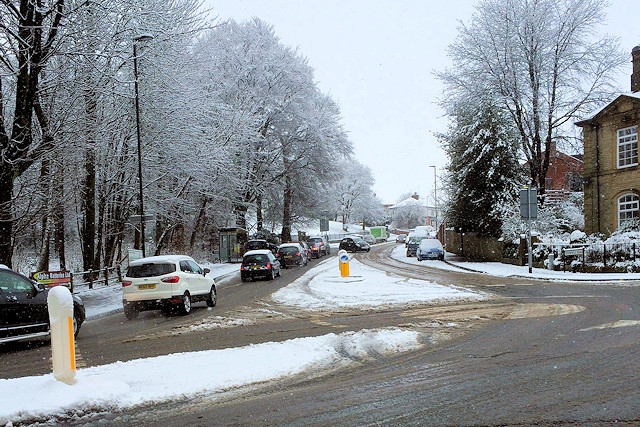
[376,59]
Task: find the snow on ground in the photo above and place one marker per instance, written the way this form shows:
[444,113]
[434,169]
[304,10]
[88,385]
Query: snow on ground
[323,288]
[507,270]
[126,384]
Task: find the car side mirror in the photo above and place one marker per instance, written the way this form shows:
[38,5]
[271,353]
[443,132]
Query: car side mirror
[206,271]
[39,286]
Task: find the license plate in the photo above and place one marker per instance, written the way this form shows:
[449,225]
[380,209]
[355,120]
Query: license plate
[288,256]
[255,267]
[147,286]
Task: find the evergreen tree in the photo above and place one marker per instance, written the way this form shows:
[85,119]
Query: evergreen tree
[483,175]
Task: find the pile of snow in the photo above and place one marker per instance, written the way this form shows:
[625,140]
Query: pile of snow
[123,385]
[323,288]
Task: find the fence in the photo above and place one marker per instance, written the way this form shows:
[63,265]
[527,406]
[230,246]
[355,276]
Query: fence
[607,255]
[596,257]
[101,276]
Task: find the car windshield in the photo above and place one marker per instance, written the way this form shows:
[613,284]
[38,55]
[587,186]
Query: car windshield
[255,245]
[150,270]
[430,244]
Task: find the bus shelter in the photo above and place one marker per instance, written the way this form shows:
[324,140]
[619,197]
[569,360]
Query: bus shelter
[232,240]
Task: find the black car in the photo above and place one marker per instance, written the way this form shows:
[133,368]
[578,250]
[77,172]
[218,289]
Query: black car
[412,245]
[254,244]
[23,308]
[260,263]
[292,254]
[354,244]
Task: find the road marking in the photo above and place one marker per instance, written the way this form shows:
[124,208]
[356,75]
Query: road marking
[618,324]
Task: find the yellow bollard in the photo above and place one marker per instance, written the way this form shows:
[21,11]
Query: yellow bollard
[63,352]
[343,258]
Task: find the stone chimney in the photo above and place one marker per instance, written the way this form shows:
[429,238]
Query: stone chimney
[635,76]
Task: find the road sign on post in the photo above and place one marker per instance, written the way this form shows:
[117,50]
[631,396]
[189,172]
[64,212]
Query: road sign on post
[529,212]
[529,203]
[324,224]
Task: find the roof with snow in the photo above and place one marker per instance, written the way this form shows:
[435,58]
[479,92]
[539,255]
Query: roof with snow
[590,118]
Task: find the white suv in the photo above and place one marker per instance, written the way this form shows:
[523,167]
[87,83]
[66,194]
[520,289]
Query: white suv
[166,282]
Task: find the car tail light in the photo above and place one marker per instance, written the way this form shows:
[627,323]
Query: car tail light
[297,253]
[171,279]
[126,283]
[242,268]
[268,266]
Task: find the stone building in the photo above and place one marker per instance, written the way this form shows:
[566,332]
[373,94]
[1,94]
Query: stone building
[611,173]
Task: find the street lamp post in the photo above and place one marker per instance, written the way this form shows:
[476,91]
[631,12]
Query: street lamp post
[435,195]
[136,40]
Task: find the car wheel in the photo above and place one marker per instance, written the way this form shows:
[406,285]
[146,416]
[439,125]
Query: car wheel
[213,297]
[185,305]
[130,311]
[408,254]
[76,324]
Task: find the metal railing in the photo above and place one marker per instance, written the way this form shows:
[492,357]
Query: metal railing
[92,277]
[605,254]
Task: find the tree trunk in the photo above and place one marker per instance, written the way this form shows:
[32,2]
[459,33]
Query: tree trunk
[286,211]
[58,216]
[6,216]
[259,220]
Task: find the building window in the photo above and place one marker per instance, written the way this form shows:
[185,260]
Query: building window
[628,209]
[627,147]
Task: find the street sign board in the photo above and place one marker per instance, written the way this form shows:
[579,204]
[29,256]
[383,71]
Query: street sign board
[529,203]
[324,224]
[138,218]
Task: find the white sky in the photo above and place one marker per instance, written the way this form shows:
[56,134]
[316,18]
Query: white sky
[376,59]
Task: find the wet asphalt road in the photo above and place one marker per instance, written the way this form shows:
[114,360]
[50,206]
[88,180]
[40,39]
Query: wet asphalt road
[540,353]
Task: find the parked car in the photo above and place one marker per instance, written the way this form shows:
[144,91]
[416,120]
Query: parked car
[260,263]
[322,242]
[166,282]
[24,313]
[412,244]
[254,244]
[430,249]
[354,244]
[401,238]
[291,254]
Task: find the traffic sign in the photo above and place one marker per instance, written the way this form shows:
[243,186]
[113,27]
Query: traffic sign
[529,203]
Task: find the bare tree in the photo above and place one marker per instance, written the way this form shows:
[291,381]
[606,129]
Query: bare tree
[541,60]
